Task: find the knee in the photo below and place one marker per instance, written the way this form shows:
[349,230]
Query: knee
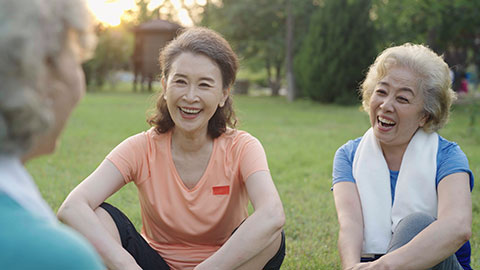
[416,220]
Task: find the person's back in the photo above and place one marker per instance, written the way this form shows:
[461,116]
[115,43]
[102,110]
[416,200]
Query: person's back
[31,242]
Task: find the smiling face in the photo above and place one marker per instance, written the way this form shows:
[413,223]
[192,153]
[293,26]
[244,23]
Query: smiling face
[396,108]
[193,91]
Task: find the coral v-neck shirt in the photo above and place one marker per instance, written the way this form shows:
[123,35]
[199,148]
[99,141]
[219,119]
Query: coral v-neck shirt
[186,226]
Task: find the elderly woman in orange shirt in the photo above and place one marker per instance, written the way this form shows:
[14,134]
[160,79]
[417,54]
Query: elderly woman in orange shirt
[194,172]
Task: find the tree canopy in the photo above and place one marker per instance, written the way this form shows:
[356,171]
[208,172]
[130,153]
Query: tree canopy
[331,41]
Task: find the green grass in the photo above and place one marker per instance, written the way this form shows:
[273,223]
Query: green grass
[300,140]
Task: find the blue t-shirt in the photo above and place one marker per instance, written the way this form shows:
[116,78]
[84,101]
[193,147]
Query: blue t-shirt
[450,160]
[29,242]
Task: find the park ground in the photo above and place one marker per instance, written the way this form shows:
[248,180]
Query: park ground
[300,140]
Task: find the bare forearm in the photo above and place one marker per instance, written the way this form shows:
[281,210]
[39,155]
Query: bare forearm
[350,246]
[255,234]
[83,219]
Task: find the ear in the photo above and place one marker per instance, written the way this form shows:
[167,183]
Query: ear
[424,119]
[226,93]
[164,87]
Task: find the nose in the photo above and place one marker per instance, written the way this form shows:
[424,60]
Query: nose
[191,94]
[387,104]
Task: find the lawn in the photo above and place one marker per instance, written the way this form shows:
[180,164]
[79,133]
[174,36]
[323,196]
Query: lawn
[300,140]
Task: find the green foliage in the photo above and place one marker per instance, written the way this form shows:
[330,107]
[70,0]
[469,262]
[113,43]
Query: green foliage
[300,140]
[451,28]
[439,23]
[256,29]
[338,48]
[113,51]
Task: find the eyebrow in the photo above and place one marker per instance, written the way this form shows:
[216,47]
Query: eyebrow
[209,79]
[407,89]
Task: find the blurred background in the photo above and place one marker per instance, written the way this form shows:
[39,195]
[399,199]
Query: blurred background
[312,52]
[313,49]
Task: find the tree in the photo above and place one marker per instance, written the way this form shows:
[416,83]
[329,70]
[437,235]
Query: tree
[290,75]
[337,50]
[112,53]
[255,28]
[451,28]
[297,21]
[168,10]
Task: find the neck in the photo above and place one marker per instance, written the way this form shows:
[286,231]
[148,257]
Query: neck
[188,142]
[394,155]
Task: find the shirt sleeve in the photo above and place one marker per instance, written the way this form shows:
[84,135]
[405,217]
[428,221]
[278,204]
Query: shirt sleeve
[343,162]
[252,158]
[451,159]
[130,157]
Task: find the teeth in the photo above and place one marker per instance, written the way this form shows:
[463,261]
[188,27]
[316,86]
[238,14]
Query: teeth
[386,121]
[191,111]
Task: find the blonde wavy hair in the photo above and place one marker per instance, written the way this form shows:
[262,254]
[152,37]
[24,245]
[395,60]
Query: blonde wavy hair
[33,33]
[433,75]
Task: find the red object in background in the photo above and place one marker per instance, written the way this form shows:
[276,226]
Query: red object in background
[464,86]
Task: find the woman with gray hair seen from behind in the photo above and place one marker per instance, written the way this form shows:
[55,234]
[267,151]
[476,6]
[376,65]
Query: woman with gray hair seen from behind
[402,192]
[42,44]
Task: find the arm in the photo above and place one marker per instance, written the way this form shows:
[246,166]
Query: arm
[441,238]
[78,212]
[257,232]
[350,219]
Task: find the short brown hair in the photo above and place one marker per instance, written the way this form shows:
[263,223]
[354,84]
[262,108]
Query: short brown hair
[199,40]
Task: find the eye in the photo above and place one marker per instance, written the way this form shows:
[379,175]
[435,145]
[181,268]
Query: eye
[381,92]
[180,81]
[206,85]
[403,100]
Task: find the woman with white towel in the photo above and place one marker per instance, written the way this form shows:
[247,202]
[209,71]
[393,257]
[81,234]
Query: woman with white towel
[402,192]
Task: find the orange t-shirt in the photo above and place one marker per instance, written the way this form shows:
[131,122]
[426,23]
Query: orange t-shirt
[187,226]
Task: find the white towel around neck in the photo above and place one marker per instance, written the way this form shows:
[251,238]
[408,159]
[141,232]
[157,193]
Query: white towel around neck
[415,189]
[16,183]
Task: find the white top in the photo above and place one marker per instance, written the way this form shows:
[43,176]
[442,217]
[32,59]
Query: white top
[17,183]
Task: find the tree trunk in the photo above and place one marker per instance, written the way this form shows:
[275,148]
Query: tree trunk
[291,91]
[277,84]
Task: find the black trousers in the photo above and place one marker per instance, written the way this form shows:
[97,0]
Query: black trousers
[147,258]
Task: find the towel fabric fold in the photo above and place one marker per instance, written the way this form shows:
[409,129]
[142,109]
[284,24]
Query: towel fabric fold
[415,189]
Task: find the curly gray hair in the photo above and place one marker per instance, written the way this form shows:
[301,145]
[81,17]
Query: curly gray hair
[432,72]
[33,33]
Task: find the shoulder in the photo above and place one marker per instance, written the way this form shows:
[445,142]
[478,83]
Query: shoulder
[349,149]
[145,136]
[141,142]
[234,138]
[448,150]
[343,160]
[451,159]
[31,243]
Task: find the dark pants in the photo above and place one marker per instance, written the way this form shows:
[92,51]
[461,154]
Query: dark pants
[147,258]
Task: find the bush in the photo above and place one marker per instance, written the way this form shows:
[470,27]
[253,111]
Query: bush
[336,52]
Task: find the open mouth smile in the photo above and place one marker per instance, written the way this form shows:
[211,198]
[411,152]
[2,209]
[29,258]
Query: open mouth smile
[190,111]
[386,123]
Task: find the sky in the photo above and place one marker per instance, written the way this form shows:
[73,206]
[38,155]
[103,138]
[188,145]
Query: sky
[110,11]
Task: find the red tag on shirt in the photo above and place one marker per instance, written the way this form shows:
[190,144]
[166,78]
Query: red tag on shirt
[221,190]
